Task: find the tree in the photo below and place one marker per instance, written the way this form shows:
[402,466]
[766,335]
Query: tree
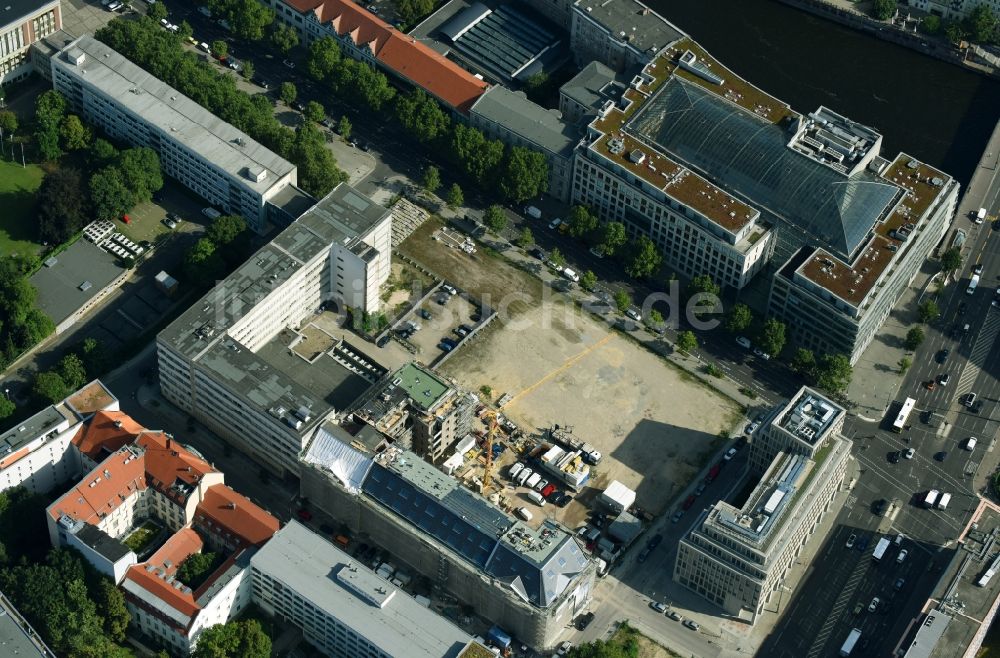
[284,37]
[108,193]
[645,258]
[70,368]
[495,219]
[8,123]
[804,363]
[344,127]
[248,70]
[50,108]
[225,229]
[526,238]
[156,11]
[914,337]
[184,31]
[556,258]
[196,568]
[315,111]
[702,284]
[588,280]
[686,342]
[219,48]
[249,19]
[235,639]
[323,58]
[421,116]
[455,196]
[111,602]
[904,364]
[49,388]
[318,171]
[74,134]
[94,355]
[954,32]
[141,172]
[288,93]
[410,11]
[883,10]
[478,156]
[951,260]
[738,318]
[623,301]
[981,24]
[525,174]
[612,238]
[432,179]
[7,408]
[62,205]
[364,81]
[655,318]
[201,262]
[581,221]
[102,153]
[771,338]
[833,373]
[931,24]
[928,311]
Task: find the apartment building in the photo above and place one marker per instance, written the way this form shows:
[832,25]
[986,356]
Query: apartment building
[342,607]
[366,37]
[621,34]
[954,10]
[210,157]
[22,23]
[39,453]
[419,411]
[253,361]
[529,580]
[740,558]
[730,182]
[513,119]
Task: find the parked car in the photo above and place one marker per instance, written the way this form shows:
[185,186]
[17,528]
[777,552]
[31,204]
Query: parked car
[692,624]
[894,456]
[383,341]
[761,353]
[451,290]
[873,606]
[425,314]
[677,516]
[583,621]
[751,428]
[729,454]
[643,554]
[943,379]
[977,268]
[633,313]
[942,355]
[909,453]
[850,540]
[902,556]
[654,541]
[304,514]
[743,342]
[289,63]
[688,502]
[659,606]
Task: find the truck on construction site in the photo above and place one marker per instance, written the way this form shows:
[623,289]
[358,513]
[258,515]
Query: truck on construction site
[566,465]
[564,437]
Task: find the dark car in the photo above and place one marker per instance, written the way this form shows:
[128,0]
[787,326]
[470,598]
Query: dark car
[564,500]
[425,314]
[688,503]
[941,456]
[383,341]
[894,457]
[880,506]
[328,529]
[261,82]
[961,308]
[862,543]
[942,355]
[654,541]
[644,554]
[583,621]
[304,514]
[449,342]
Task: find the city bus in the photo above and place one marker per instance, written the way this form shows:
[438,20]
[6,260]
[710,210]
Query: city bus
[904,414]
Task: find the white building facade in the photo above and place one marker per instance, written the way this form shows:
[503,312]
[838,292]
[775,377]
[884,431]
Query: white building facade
[24,23]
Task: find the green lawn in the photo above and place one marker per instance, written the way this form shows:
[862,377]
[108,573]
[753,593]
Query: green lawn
[17,198]
[141,537]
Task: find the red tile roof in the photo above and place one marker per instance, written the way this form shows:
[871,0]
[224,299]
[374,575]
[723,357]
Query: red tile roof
[103,489]
[151,575]
[409,58]
[168,461]
[100,433]
[181,545]
[235,513]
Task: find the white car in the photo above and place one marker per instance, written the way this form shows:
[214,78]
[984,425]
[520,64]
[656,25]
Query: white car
[449,289]
[729,454]
[743,342]
[634,314]
[909,453]
[554,224]
[762,354]
[289,63]
[751,428]
[873,606]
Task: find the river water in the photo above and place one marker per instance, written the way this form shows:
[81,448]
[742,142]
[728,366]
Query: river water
[936,111]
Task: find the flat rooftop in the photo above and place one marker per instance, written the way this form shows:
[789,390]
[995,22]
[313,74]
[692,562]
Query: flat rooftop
[632,22]
[17,438]
[424,388]
[346,590]
[809,416]
[90,398]
[220,145]
[18,10]
[17,637]
[72,278]
[532,122]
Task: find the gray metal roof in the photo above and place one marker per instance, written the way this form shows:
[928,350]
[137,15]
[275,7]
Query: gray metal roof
[374,608]
[749,156]
[62,288]
[17,637]
[645,30]
[216,142]
[28,430]
[16,11]
[537,564]
[503,42]
[102,542]
[513,111]
[587,87]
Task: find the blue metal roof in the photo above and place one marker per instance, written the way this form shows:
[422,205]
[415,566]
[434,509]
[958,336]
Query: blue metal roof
[749,156]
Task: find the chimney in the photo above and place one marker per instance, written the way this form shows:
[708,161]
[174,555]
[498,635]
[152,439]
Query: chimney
[118,424]
[231,505]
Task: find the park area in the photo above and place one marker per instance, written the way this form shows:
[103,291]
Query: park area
[627,642]
[17,198]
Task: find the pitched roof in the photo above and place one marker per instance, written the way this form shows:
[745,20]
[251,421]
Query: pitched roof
[181,545]
[105,432]
[103,489]
[151,575]
[169,463]
[236,514]
[406,56]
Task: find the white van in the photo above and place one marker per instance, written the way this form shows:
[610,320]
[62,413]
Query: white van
[524,475]
[981,215]
[931,497]
[970,444]
[943,502]
[571,275]
[524,513]
[515,468]
[536,498]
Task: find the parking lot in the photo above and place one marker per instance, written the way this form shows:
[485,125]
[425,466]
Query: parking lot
[438,322]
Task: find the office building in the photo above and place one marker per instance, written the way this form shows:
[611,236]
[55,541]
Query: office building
[210,157]
[17,637]
[22,23]
[621,34]
[252,359]
[39,453]
[739,558]
[730,182]
[148,482]
[343,608]
[419,411]
[513,119]
[531,580]
[583,96]
[364,36]
[953,10]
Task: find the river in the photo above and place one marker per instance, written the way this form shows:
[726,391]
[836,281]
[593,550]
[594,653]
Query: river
[935,111]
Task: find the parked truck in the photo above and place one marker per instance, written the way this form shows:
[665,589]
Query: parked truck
[533,212]
[930,498]
[849,643]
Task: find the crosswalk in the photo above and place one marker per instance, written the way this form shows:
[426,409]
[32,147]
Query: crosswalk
[977,357]
[835,613]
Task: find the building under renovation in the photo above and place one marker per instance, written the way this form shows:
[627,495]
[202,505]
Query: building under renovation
[531,580]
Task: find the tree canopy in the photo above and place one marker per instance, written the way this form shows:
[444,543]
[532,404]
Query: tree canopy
[62,205]
[739,318]
[581,221]
[236,639]
[771,338]
[525,174]
[612,238]
[645,259]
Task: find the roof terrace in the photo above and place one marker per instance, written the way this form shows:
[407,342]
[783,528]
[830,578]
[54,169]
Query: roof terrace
[809,416]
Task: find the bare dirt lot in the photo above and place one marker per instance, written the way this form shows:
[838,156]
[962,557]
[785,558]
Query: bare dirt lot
[655,426]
